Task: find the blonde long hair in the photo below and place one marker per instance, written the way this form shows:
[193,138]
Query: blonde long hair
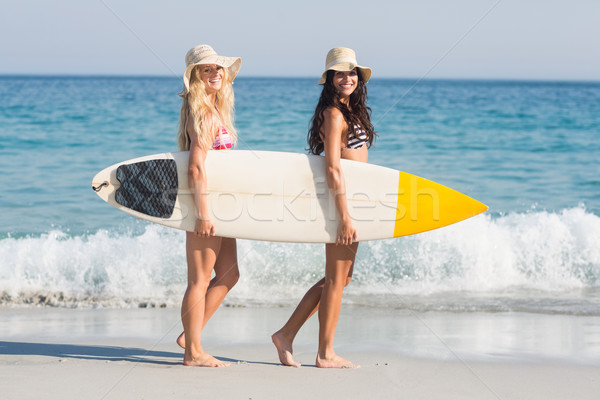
[207,122]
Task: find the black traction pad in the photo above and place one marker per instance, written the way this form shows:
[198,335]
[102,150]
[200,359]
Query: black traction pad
[149,187]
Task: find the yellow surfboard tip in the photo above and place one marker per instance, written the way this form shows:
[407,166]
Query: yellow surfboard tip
[424,205]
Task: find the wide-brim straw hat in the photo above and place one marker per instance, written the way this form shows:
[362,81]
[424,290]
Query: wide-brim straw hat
[343,59]
[204,54]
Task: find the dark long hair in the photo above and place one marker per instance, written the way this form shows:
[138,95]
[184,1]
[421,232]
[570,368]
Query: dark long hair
[355,113]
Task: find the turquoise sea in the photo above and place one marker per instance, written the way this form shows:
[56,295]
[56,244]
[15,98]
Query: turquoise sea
[529,150]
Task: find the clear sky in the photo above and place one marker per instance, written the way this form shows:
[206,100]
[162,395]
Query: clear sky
[504,39]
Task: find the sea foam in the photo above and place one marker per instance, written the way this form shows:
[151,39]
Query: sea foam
[487,262]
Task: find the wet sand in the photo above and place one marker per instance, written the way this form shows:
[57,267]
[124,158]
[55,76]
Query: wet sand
[131,353]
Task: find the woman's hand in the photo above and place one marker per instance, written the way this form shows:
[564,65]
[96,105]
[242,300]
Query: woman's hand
[346,233]
[204,228]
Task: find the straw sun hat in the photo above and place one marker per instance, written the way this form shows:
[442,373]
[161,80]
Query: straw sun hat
[204,54]
[343,59]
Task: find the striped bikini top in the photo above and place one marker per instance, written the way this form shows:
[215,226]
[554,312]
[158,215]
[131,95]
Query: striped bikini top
[222,140]
[357,138]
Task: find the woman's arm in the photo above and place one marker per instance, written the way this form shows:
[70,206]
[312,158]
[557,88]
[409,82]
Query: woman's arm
[197,181]
[333,128]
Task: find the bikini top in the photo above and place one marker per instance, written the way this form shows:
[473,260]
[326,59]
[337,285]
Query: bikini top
[357,138]
[222,140]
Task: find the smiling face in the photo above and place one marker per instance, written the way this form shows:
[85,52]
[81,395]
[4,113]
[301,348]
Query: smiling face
[345,82]
[212,77]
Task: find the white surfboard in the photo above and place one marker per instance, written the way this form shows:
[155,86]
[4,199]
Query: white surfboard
[277,196]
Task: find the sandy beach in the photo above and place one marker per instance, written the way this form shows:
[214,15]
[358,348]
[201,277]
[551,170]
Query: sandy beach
[131,354]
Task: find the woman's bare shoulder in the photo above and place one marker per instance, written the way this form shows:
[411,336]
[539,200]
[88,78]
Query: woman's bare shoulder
[333,114]
[334,118]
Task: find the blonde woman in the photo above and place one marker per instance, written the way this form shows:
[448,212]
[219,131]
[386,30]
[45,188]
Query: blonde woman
[341,129]
[206,123]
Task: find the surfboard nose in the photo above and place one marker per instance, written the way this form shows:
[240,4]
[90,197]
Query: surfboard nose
[424,205]
[479,207]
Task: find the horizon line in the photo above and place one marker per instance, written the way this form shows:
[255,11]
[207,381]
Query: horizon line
[408,78]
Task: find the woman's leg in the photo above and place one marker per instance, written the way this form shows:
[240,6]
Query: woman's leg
[283,338]
[339,264]
[226,276]
[202,254]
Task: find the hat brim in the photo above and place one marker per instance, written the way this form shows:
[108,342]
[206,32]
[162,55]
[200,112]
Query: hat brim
[232,64]
[365,72]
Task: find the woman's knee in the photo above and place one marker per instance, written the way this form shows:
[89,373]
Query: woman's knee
[229,277]
[233,277]
[197,285]
[348,279]
[335,283]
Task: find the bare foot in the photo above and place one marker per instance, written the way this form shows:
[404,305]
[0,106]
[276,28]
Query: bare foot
[181,340]
[204,360]
[284,349]
[334,362]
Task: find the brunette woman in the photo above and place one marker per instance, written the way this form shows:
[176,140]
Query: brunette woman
[341,129]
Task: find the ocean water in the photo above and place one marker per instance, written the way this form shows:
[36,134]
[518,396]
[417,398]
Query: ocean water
[529,150]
